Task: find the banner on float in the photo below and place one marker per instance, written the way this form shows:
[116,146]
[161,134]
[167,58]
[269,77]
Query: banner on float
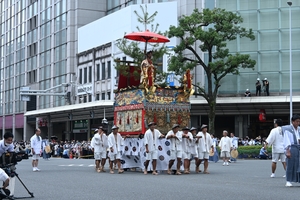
[134,154]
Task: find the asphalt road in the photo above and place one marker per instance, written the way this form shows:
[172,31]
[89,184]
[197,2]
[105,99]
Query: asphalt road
[66,179]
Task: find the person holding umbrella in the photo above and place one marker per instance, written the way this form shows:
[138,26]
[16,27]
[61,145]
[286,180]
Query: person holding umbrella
[147,76]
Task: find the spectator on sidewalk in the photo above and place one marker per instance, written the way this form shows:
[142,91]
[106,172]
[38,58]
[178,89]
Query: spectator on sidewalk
[263,154]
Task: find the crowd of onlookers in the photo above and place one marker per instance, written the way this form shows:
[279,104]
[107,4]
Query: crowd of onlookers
[66,149]
[82,149]
[249,141]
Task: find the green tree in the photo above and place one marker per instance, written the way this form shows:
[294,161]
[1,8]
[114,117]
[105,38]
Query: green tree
[133,50]
[209,31]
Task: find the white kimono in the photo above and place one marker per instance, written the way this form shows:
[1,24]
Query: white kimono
[36,143]
[187,143]
[99,143]
[176,143]
[151,139]
[204,143]
[225,144]
[115,143]
[276,140]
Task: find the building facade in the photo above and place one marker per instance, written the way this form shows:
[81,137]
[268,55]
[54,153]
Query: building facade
[38,50]
[269,20]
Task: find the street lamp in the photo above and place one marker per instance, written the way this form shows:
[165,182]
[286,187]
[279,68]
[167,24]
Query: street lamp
[291,84]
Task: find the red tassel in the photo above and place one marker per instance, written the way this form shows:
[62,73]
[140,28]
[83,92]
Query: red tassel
[128,119]
[120,120]
[188,77]
[137,118]
[154,118]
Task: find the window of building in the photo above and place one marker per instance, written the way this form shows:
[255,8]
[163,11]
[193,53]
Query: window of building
[98,72]
[159,65]
[60,7]
[90,98]
[103,71]
[108,69]
[46,29]
[46,15]
[90,74]
[60,22]
[97,97]
[45,44]
[60,52]
[84,99]
[31,77]
[103,96]
[85,75]
[108,95]
[61,37]
[60,68]
[45,4]
[80,76]
[32,23]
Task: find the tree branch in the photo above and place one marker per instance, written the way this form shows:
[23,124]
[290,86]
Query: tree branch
[198,57]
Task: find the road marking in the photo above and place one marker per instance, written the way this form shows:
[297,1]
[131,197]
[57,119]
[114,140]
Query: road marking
[77,165]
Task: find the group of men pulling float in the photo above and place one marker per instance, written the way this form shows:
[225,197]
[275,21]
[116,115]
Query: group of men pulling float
[184,145]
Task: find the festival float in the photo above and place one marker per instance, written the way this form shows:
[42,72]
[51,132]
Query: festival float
[139,100]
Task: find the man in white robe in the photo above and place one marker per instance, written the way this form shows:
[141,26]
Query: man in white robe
[194,151]
[175,137]
[150,141]
[291,141]
[99,145]
[225,146]
[187,139]
[115,143]
[275,139]
[204,144]
[36,149]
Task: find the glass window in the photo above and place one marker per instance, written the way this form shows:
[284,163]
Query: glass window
[269,40]
[108,69]
[103,96]
[85,75]
[269,20]
[208,3]
[60,68]
[103,71]
[60,7]
[247,45]
[98,72]
[249,19]
[229,5]
[80,76]
[61,22]
[268,4]
[90,74]
[269,61]
[60,52]
[61,37]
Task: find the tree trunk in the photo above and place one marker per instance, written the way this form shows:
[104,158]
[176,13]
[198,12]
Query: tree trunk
[211,116]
